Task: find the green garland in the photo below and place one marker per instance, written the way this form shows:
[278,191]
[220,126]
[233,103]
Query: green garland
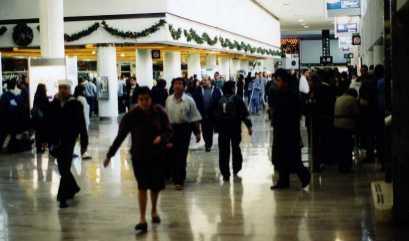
[176,33]
[81,34]
[3,30]
[133,35]
[199,39]
[227,43]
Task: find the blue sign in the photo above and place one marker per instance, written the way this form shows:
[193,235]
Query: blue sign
[343,4]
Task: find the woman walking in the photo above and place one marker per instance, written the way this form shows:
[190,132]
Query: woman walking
[39,117]
[150,131]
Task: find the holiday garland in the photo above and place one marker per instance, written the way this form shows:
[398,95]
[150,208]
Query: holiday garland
[3,30]
[81,34]
[133,35]
[176,33]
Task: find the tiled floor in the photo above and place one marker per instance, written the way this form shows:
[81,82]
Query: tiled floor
[335,208]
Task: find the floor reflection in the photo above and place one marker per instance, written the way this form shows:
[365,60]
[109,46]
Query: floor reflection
[335,208]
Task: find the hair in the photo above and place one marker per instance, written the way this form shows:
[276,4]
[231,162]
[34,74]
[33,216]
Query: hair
[283,74]
[228,87]
[364,67]
[304,71]
[179,79]
[161,83]
[379,71]
[41,91]
[79,91]
[352,92]
[144,90]
[11,84]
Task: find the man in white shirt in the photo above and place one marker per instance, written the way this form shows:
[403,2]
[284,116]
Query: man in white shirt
[185,118]
[304,87]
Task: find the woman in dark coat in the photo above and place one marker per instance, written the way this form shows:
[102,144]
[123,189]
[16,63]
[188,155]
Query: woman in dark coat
[160,93]
[150,131]
[39,117]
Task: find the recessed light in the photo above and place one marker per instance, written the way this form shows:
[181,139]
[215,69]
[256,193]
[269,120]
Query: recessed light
[306,26]
[301,20]
[122,55]
[93,52]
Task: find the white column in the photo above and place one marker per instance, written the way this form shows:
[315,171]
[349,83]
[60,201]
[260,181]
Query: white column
[193,66]
[244,65]
[52,28]
[211,61]
[144,67]
[269,65]
[107,68]
[378,54]
[369,58]
[172,66]
[225,67]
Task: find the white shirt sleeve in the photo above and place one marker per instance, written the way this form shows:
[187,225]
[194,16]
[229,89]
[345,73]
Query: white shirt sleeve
[304,87]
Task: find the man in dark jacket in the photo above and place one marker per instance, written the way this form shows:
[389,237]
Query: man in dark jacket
[68,122]
[230,113]
[206,98]
[286,123]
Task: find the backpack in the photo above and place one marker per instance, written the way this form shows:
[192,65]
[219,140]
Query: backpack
[227,109]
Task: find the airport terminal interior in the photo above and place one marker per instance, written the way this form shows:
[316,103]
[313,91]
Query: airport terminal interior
[212,120]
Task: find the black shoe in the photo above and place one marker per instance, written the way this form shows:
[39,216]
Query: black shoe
[63,204]
[226,178]
[280,187]
[208,149]
[142,227]
[156,220]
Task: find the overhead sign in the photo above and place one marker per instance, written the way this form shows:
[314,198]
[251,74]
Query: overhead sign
[347,28]
[326,43]
[343,8]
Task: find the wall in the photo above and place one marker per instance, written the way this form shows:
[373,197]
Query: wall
[239,16]
[17,9]
[372,24]
[311,51]
[401,3]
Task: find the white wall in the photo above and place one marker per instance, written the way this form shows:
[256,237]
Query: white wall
[17,9]
[239,16]
[311,51]
[372,23]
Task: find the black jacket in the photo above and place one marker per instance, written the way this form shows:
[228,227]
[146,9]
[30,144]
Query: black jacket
[198,97]
[67,122]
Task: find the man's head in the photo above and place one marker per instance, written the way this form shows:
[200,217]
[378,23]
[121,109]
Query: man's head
[143,98]
[282,79]
[11,84]
[133,81]
[229,88]
[178,85]
[206,82]
[364,70]
[216,76]
[64,88]
[306,73]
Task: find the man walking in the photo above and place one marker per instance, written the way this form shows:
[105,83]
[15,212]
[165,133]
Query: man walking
[229,115]
[67,123]
[286,123]
[207,98]
[185,119]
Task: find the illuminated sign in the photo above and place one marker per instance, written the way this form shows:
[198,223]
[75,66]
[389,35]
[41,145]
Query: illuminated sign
[343,8]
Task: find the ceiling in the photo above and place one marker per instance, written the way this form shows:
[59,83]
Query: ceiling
[295,14]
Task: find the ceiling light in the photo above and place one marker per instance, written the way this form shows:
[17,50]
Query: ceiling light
[93,52]
[306,26]
[300,20]
[122,55]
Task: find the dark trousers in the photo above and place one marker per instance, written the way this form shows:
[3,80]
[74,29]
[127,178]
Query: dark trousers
[344,148]
[68,186]
[181,141]
[225,141]
[208,131]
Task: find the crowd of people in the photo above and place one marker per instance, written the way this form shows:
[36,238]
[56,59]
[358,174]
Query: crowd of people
[341,111]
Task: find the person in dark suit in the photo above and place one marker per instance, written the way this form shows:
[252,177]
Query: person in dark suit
[207,97]
[160,93]
[286,123]
[229,115]
[67,123]
[150,131]
[39,117]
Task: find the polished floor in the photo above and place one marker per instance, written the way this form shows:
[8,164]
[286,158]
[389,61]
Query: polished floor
[335,208]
